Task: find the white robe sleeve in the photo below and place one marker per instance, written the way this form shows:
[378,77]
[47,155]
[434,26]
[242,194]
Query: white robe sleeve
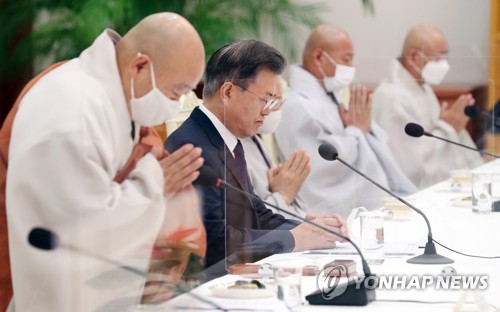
[331,186]
[63,181]
[257,170]
[398,181]
[424,160]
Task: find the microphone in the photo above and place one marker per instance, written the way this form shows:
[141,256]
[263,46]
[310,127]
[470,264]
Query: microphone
[47,240]
[352,295]
[415,130]
[430,256]
[476,112]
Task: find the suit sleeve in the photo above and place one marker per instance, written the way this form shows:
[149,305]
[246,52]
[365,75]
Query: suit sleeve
[295,207]
[270,220]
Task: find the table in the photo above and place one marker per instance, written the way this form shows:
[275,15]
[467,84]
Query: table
[455,227]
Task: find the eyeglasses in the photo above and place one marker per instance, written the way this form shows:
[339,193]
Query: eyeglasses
[273,103]
[436,56]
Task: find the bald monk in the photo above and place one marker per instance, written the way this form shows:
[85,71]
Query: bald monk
[73,133]
[317,111]
[407,96]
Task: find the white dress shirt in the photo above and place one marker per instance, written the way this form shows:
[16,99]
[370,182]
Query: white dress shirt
[229,138]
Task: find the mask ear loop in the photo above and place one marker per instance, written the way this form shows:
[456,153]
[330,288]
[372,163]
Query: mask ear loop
[153,80]
[415,66]
[329,59]
[132,93]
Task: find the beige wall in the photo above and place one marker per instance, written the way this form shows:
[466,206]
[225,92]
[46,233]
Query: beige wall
[379,38]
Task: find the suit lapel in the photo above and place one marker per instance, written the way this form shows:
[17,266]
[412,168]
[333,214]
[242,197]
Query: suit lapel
[215,138]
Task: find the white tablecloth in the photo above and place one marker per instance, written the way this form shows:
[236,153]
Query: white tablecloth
[455,226]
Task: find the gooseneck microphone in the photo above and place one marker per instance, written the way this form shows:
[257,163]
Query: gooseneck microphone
[430,256]
[45,239]
[415,130]
[353,296]
[476,112]
[473,111]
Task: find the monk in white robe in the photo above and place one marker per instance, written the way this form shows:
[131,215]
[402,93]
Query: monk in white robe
[276,184]
[316,112]
[407,96]
[74,131]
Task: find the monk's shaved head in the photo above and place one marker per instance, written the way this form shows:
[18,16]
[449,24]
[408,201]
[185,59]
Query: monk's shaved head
[329,40]
[161,36]
[326,37]
[163,45]
[424,37]
[423,43]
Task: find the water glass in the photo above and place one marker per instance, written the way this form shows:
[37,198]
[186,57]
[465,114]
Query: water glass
[372,236]
[482,199]
[287,281]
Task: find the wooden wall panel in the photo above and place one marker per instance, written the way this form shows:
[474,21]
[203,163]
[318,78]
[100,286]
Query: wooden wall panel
[494,92]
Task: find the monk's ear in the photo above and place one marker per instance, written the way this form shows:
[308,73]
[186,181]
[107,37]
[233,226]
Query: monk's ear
[412,55]
[316,55]
[226,92]
[139,65]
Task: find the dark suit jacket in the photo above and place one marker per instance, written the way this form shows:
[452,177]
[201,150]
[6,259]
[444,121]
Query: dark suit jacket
[235,224]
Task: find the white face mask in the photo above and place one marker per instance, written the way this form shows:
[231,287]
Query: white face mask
[434,71]
[271,122]
[344,76]
[153,108]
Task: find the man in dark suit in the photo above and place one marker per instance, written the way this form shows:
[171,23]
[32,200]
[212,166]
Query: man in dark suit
[240,85]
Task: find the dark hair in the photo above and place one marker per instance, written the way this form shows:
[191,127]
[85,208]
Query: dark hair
[241,59]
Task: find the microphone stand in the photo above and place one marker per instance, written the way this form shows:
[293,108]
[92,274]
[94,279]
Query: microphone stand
[47,240]
[462,145]
[430,256]
[353,295]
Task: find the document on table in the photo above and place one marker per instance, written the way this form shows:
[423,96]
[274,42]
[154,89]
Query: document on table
[392,249]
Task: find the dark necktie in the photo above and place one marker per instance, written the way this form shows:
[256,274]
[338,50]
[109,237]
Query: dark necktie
[254,139]
[241,166]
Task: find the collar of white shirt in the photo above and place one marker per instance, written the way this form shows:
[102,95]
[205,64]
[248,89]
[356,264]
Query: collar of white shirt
[229,138]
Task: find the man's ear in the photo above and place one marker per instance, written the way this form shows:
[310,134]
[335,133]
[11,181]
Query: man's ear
[225,92]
